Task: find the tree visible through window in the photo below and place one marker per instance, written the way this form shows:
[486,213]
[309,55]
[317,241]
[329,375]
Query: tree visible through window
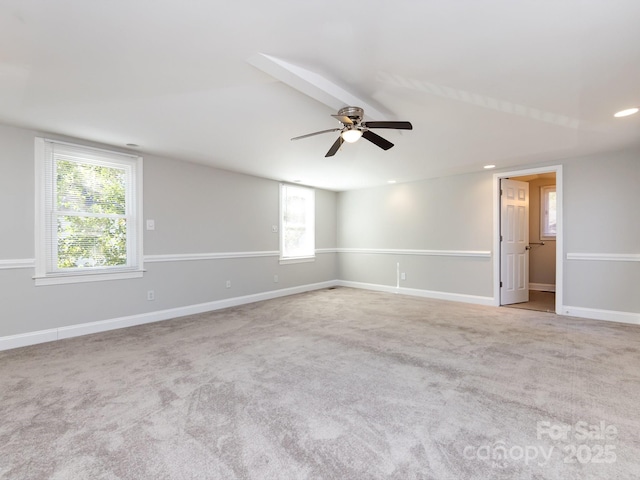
[89,210]
[91,215]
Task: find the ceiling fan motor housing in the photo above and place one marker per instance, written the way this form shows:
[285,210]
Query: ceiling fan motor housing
[354,113]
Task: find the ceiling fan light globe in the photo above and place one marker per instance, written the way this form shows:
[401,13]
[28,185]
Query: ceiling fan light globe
[351,136]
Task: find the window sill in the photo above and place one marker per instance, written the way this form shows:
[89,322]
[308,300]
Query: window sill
[285,261]
[61,279]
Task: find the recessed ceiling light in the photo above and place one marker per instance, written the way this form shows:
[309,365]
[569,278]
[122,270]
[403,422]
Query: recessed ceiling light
[488,167]
[132,145]
[391,182]
[627,112]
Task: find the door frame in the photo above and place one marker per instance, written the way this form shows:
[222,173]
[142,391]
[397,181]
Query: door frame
[557,169]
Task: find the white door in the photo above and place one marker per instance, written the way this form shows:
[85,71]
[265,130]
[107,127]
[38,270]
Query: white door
[514,244]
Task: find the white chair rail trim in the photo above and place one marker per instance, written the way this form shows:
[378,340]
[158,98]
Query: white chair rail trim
[610,257]
[429,253]
[12,263]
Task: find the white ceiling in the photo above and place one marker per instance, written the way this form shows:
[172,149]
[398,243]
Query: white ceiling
[494,81]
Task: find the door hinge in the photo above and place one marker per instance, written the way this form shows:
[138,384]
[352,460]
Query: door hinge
[500,237]
[500,284]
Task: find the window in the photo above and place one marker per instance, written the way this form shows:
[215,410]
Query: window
[297,224]
[89,214]
[548,213]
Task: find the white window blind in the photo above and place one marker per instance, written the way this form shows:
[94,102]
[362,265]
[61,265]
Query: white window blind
[90,212]
[297,223]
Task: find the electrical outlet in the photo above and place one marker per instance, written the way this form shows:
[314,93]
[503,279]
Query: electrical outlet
[275,278]
[228,283]
[151,224]
[274,228]
[403,276]
[151,295]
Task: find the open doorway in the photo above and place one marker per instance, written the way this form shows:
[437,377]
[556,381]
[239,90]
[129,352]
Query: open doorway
[528,263]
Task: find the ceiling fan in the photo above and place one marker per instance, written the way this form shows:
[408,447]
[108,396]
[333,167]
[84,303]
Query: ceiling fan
[353,128]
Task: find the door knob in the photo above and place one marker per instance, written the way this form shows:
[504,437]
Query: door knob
[528,247]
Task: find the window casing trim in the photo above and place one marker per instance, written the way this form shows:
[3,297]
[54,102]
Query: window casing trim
[45,273]
[307,257]
[93,276]
[289,260]
[545,190]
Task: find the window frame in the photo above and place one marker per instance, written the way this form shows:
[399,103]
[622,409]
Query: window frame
[47,272]
[545,234]
[310,224]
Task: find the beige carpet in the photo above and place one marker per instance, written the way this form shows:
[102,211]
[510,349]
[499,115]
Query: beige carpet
[333,384]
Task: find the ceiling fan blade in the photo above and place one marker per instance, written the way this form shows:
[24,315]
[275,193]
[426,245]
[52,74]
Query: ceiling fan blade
[396,125]
[377,139]
[334,148]
[316,133]
[344,119]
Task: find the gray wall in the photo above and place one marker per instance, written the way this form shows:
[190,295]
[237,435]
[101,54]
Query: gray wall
[450,214]
[601,201]
[196,209]
[601,216]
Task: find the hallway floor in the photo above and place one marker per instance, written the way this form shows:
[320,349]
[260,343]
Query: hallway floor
[538,301]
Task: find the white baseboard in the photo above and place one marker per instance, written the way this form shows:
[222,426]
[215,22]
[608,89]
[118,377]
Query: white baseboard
[542,287]
[32,338]
[26,339]
[453,297]
[42,336]
[597,314]
[590,313]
